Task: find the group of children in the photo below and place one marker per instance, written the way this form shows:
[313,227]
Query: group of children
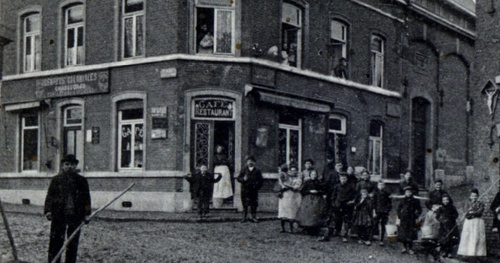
[336,204]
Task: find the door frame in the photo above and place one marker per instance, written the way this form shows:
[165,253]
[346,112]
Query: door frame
[59,133]
[188,98]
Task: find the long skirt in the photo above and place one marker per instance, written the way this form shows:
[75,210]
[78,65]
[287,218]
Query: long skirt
[312,211]
[289,205]
[473,239]
[223,188]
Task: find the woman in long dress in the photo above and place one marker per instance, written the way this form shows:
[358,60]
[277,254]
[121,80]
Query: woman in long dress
[312,212]
[223,189]
[291,198]
[473,238]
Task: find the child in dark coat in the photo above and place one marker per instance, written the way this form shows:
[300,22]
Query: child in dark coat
[363,212]
[448,233]
[409,210]
[201,187]
[382,204]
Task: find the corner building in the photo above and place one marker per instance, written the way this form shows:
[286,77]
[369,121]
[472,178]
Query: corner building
[142,91]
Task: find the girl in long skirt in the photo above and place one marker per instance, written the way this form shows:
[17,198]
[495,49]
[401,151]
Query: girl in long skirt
[312,212]
[448,234]
[289,203]
[473,238]
[222,189]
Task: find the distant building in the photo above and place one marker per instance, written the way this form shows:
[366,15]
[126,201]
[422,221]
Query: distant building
[142,91]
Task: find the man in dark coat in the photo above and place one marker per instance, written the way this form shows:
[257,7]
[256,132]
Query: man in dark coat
[408,181]
[251,181]
[329,178]
[201,187]
[343,200]
[382,204]
[67,205]
[436,195]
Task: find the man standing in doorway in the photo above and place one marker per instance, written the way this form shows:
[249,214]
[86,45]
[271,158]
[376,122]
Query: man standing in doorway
[251,181]
[67,205]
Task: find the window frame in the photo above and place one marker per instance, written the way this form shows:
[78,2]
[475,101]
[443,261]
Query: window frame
[344,38]
[377,61]
[288,128]
[23,128]
[134,16]
[75,27]
[216,9]
[372,140]
[133,123]
[33,43]
[300,31]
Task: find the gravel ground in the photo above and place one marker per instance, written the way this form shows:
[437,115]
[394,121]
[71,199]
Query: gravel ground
[103,241]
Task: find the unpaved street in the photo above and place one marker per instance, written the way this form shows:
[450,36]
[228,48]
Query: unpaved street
[193,242]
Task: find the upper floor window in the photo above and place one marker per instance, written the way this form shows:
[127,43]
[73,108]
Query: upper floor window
[215,27]
[377,60]
[133,28]
[291,33]
[29,142]
[338,48]
[32,43]
[74,32]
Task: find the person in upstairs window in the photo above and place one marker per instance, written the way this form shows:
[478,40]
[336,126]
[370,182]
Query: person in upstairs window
[340,70]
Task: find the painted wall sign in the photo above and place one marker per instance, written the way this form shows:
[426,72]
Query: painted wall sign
[73,85]
[213,108]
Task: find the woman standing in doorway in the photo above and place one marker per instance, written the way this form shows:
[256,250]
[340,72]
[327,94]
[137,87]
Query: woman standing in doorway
[222,189]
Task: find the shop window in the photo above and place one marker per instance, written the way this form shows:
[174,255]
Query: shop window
[291,33]
[337,138]
[73,132]
[133,28]
[375,145]
[29,142]
[290,139]
[131,134]
[377,60]
[215,27]
[32,43]
[74,35]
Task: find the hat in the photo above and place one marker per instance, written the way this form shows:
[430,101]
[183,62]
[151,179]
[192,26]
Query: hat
[309,160]
[284,167]
[475,190]
[408,188]
[251,158]
[438,181]
[70,158]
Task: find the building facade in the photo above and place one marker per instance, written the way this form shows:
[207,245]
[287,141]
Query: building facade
[142,91]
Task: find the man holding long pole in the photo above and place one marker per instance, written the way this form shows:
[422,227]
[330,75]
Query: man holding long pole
[67,205]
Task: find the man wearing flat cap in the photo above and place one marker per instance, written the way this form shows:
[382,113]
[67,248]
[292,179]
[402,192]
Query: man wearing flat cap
[251,181]
[67,205]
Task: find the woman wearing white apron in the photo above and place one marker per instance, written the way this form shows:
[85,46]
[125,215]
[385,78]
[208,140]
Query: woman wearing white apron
[473,238]
[223,189]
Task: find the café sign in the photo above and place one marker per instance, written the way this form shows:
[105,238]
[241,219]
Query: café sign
[213,108]
[73,85]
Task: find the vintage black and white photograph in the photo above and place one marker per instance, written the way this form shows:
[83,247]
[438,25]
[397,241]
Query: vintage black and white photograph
[259,131]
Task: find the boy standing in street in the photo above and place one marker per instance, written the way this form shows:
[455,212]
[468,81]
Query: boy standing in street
[67,205]
[201,186]
[251,181]
[382,204]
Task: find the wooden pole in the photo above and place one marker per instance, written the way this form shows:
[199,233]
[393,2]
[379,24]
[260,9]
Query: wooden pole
[82,224]
[9,233]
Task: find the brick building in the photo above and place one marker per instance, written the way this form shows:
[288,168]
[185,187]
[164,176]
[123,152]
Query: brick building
[141,91]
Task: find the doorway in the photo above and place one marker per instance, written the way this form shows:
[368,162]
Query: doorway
[421,154]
